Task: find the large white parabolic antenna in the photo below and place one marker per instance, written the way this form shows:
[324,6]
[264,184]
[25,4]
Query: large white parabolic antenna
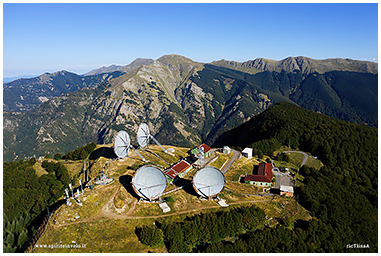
[122,144]
[143,136]
[208,182]
[149,182]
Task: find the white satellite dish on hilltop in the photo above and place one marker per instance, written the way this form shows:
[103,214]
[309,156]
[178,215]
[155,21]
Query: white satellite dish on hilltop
[149,182]
[122,145]
[143,136]
[209,182]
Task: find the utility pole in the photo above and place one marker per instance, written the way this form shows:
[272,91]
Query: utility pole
[81,186]
[71,188]
[67,197]
[79,199]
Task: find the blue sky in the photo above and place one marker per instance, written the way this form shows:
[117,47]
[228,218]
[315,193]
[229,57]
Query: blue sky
[40,38]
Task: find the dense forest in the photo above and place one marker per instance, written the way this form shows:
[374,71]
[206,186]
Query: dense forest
[26,196]
[196,231]
[80,153]
[342,195]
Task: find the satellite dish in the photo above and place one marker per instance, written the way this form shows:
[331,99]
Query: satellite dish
[208,182]
[122,144]
[149,182]
[143,136]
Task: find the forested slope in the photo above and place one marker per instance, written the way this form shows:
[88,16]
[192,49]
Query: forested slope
[26,196]
[342,195]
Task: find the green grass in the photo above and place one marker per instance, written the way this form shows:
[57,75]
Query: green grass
[98,236]
[221,160]
[241,166]
[315,163]
[39,169]
[296,159]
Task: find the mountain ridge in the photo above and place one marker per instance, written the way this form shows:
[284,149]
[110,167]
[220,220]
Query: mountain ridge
[303,64]
[184,103]
[135,64]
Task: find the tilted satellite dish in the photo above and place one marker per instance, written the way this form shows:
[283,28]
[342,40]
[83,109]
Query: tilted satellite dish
[122,144]
[143,136]
[208,182]
[149,182]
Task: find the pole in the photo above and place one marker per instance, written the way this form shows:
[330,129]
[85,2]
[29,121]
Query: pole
[84,171]
[161,146]
[144,160]
[80,182]
[67,197]
[79,199]
[71,188]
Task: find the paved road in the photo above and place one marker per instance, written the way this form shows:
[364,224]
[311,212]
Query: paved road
[305,155]
[231,161]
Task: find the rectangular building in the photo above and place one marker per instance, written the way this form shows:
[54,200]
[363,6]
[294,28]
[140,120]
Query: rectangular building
[286,190]
[179,169]
[248,153]
[263,178]
[203,149]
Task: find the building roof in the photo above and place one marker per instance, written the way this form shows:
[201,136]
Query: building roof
[265,173]
[181,166]
[206,147]
[259,178]
[287,188]
[194,151]
[265,169]
[248,150]
[171,173]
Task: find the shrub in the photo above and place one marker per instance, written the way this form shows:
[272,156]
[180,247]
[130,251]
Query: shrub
[149,235]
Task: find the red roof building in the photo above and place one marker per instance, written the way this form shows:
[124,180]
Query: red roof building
[264,176]
[181,166]
[205,147]
[171,173]
[178,169]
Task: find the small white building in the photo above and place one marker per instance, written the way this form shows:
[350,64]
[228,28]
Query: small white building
[226,150]
[286,190]
[248,153]
[165,207]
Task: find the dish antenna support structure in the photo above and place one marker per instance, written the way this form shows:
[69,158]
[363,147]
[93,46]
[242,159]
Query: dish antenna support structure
[122,145]
[143,136]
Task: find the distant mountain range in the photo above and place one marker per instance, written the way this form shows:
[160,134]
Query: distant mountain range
[184,102]
[10,79]
[135,64]
[302,64]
